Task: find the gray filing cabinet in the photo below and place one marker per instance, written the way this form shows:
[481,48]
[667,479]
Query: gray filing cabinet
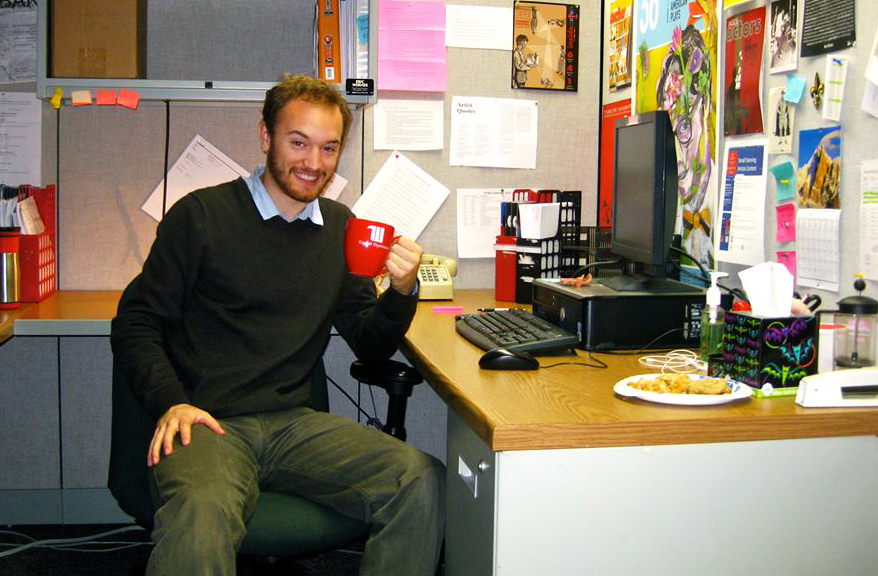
[471,496]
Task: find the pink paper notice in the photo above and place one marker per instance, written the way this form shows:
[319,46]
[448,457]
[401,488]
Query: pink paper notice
[411,46]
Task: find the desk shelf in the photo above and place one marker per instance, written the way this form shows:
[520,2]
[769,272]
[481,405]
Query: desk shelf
[158,89]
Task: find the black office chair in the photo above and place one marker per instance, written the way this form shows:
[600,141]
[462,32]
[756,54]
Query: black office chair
[282,524]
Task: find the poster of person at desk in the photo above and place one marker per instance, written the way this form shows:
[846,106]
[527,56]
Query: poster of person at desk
[676,66]
[545,52]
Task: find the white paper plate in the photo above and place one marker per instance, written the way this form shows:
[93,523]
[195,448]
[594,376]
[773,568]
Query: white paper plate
[739,391]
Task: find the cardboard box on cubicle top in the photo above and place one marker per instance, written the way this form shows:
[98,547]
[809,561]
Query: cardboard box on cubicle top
[98,39]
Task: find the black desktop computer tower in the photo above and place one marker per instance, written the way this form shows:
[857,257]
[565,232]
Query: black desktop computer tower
[605,319]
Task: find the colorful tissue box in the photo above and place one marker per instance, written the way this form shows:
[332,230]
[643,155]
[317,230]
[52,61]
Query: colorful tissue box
[771,355]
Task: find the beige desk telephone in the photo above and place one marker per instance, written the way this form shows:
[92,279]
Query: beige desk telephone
[435,277]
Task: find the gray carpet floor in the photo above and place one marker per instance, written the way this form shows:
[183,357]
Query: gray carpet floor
[90,559]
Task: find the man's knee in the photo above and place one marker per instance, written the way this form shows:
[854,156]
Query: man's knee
[200,481]
[423,474]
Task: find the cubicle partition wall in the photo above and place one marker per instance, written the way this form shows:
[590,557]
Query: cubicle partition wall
[109,159]
[857,126]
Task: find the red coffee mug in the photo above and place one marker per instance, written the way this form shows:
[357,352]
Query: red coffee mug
[366,246]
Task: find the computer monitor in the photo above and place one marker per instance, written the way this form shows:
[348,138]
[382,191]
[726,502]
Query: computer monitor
[644,202]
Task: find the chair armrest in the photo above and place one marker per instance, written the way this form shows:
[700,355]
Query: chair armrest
[393,376]
[397,379]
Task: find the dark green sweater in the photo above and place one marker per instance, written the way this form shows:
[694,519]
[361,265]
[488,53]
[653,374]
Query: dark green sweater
[231,312]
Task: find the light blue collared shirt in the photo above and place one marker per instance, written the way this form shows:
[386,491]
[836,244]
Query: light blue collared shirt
[268,209]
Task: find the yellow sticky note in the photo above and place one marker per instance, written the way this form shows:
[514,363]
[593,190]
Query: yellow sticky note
[56,98]
[80,97]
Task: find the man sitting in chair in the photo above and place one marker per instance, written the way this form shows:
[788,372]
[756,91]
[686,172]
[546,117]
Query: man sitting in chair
[231,312]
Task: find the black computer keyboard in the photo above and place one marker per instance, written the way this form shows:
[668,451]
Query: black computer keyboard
[513,329]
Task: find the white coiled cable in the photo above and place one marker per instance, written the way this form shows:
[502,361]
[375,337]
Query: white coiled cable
[679,361]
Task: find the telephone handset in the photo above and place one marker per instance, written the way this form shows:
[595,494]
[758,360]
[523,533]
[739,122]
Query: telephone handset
[435,277]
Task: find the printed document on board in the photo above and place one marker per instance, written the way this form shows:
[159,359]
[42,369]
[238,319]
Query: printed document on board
[18,42]
[403,195]
[818,242]
[869,219]
[408,124]
[200,165]
[740,238]
[478,220]
[411,46]
[485,27]
[493,132]
[20,138]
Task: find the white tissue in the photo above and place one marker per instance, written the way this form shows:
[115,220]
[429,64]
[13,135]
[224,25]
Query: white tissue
[538,220]
[769,288]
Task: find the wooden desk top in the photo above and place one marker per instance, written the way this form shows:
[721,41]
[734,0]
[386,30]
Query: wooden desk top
[560,407]
[65,313]
[575,406]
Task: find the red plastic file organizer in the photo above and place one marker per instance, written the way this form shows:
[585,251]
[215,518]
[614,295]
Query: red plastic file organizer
[37,251]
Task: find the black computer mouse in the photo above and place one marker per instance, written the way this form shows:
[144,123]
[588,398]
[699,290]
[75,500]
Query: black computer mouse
[504,359]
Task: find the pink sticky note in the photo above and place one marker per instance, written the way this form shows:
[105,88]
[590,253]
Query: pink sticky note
[128,98]
[786,222]
[106,96]
[788,259]
[447,309]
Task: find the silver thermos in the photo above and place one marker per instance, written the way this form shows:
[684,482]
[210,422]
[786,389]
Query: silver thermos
[10,280]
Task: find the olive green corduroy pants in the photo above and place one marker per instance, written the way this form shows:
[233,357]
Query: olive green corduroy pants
[205,492]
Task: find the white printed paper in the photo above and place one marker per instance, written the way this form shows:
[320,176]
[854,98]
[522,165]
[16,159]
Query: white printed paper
[18,42]
[20,139]
[869,219]
[409,124]
[872,65]
[817,247]
[493,132]
[486,27]
[836,74]
[29,217]
[478,220]
[334,187]
[403,195]
[870,99]
[200,165]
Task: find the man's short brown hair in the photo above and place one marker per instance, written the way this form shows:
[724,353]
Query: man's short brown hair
[309,89]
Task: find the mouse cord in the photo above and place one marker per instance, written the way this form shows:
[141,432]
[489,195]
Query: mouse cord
[598,363]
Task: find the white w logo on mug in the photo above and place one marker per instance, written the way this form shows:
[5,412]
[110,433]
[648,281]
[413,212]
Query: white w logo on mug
[376,234]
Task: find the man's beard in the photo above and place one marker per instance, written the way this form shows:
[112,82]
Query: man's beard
[287,185]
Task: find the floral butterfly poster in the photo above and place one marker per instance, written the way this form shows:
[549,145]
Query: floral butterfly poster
[676,70]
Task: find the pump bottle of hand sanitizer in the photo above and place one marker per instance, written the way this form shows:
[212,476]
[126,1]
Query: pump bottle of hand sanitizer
[713,320]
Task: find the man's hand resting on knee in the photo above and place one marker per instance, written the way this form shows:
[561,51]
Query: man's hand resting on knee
[178,418]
